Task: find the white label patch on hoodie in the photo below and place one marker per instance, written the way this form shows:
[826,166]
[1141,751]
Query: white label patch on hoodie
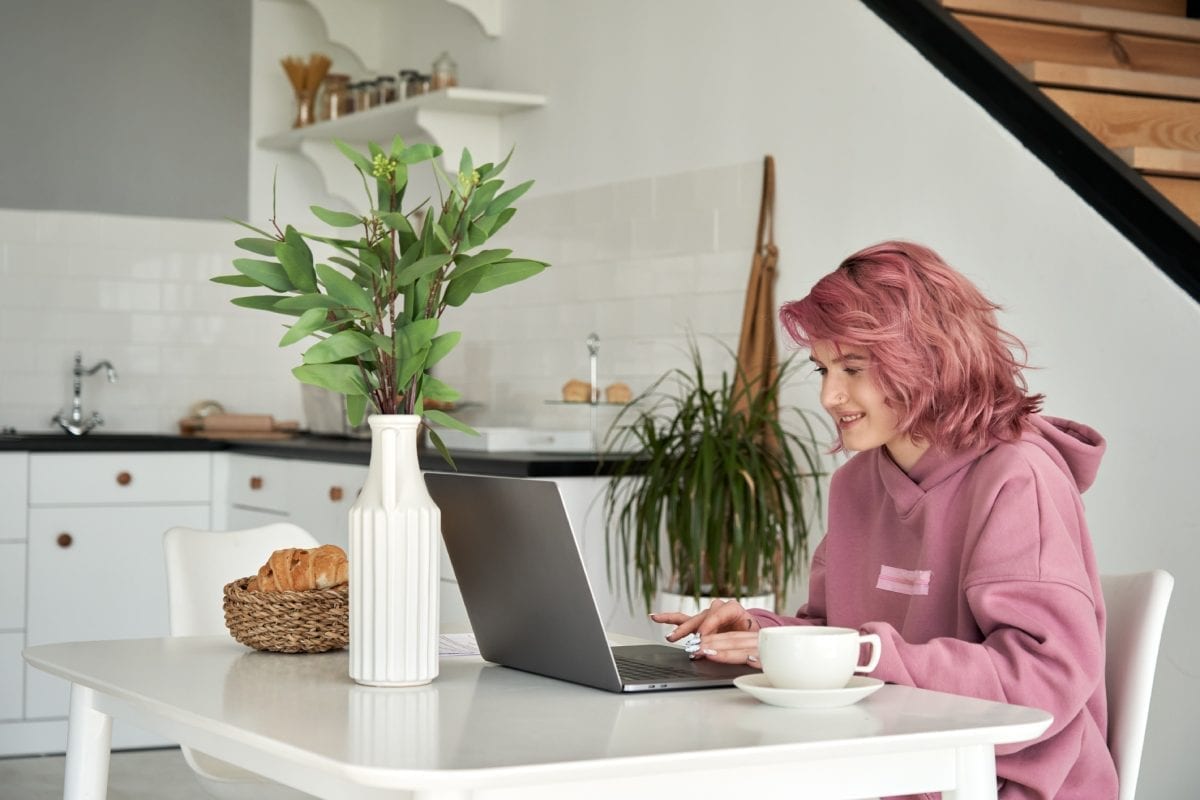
[903,581]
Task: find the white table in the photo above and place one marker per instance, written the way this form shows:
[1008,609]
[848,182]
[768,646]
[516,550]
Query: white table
[487,732]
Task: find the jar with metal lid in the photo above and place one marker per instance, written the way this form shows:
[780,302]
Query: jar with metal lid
[387,88]
[366,95]
[417,84]
[335,97]
[444,73]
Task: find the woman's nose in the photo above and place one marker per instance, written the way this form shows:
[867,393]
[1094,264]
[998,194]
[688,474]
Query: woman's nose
[832,394]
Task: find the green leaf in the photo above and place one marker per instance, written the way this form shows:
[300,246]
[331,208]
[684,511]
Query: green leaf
[482,197]
[236,280]
[296,258]
[310,322]
[441,346]
[506,272]
[360,161]
[356,409]
[460,289]
[344,378]
[262,302]
[434,389]
[397,146]
[337,219]
[444,419]
[413,343]
[395,221]
[267,273]
[262,247]
[505,200]
[416,153]
[500,221]
[491,171]
[466,263]
[345,290]
[441,448]
[338,347]
[303,302]
[421,268]
[465,165]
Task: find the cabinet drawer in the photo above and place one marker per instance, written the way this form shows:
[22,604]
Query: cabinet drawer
[14,494]
[11,670]
[104,478]
[12,586]
[320,495]
[258,482]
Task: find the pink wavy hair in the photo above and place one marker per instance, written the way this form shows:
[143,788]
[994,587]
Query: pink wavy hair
[937,353]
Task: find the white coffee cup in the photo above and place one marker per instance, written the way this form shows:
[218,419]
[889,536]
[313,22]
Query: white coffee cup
[812,656]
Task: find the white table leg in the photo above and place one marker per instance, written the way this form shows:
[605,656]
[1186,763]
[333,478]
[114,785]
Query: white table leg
[89,744]
[976,774]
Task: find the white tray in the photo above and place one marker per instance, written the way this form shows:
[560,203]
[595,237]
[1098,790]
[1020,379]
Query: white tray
[525,440]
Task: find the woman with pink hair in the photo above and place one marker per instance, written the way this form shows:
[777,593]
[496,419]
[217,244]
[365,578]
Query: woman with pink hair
[956,532]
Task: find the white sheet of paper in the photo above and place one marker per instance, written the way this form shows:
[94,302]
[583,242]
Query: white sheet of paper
[457,644]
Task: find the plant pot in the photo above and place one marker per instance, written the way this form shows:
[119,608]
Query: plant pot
[395,528]
[669,601]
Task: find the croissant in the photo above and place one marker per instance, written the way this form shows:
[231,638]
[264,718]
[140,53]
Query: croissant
[296,569]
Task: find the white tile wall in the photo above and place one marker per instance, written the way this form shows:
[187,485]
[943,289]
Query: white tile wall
[637,262]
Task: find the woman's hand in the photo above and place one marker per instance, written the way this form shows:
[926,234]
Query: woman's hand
[723,632]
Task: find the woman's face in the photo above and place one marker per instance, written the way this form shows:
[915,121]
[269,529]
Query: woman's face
[851,395]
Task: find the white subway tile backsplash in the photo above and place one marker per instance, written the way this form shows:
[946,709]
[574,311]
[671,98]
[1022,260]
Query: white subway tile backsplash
[638,262]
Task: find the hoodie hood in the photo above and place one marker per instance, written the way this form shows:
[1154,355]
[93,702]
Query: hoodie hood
[1074,445]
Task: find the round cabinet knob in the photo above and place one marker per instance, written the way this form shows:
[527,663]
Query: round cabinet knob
[64,540]
[255,482]
[124,478]
[335,494]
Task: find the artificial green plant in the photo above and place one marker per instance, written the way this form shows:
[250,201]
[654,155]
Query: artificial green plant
[375,298]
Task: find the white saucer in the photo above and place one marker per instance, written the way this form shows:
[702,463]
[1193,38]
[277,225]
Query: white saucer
[757,685]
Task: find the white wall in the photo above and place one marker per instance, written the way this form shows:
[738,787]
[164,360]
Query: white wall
[658,116]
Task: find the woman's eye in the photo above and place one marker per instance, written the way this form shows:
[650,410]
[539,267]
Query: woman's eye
[853,370]
[820,370]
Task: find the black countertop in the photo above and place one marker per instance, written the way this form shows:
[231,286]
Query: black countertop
[317,448]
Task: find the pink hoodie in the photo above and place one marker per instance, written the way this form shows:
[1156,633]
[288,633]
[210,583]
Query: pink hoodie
[977,571]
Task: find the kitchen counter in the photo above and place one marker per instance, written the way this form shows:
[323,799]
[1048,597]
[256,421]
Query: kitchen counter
[319,448]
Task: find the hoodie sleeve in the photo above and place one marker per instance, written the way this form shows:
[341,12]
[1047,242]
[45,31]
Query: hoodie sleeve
[1027,588]
[812,612]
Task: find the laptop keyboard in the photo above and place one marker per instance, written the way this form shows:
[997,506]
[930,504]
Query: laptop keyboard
[632,670]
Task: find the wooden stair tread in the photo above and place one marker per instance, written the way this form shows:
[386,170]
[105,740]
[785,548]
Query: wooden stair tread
[1162,161]
[1123,81]
[1080,16]
[1017,41]
[1184,193]
[1130,121]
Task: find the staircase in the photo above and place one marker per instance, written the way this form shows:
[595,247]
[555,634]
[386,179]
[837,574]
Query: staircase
[1128,71]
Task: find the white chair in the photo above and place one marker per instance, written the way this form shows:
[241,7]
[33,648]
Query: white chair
[1137,606]
[199,564]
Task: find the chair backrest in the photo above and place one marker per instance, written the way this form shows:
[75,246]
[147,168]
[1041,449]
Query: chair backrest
[1136,605]
[200,563]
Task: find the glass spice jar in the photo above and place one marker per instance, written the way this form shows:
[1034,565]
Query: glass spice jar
[366,95]
[387,88]
[444,73]
[335,97]
[417,84]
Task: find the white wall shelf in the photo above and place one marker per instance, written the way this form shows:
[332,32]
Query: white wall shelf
[452,118]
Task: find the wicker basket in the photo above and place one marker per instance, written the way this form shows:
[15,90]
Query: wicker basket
[288,622]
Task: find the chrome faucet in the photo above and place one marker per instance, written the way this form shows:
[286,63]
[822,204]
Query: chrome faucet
[73,422]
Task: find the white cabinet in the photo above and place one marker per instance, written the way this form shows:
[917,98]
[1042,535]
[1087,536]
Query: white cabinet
[14,497]
[10,676]
[95,559]
[320,495]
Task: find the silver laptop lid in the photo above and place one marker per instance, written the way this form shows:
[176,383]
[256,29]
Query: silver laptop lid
[522,577]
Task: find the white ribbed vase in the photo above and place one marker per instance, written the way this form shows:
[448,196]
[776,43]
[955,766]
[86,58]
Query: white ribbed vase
[395,529]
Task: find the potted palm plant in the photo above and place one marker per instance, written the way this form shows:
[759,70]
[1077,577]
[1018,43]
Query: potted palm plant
[719,491]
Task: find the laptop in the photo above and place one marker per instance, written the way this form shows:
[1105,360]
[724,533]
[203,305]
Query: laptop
[527,594]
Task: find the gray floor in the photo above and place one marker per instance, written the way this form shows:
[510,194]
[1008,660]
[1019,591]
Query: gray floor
[132,775]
